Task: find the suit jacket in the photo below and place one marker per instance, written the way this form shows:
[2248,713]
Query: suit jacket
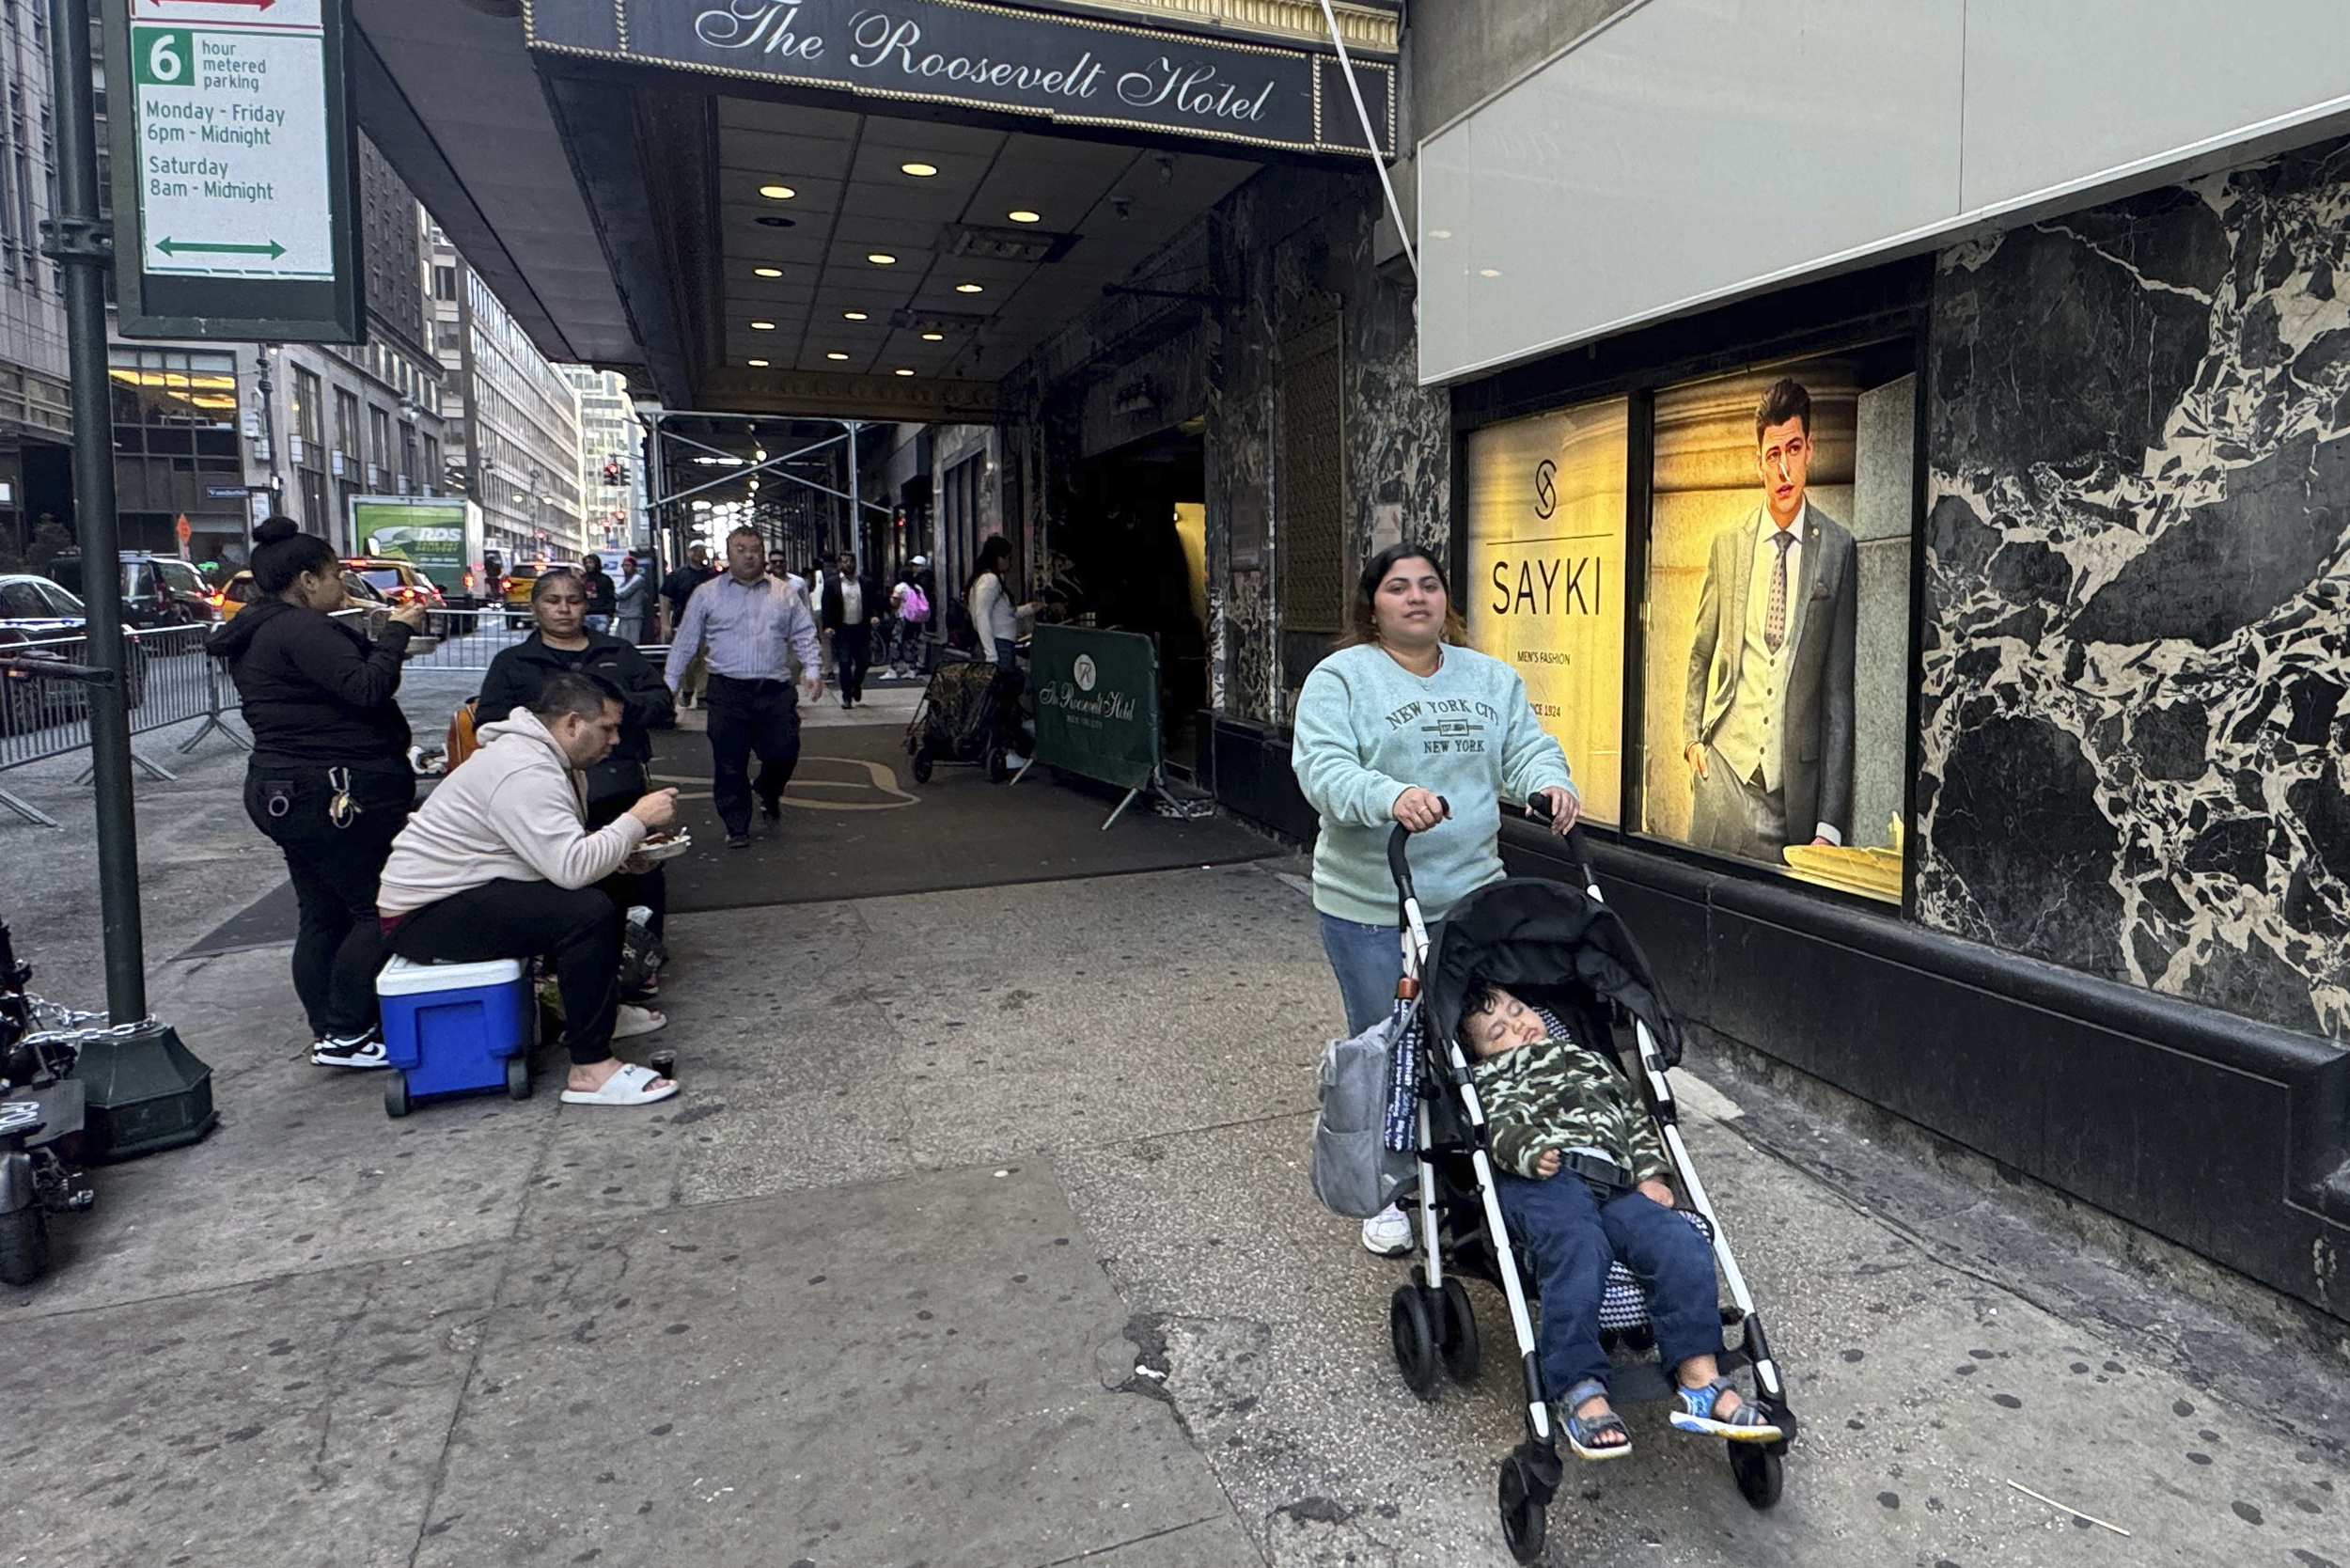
[876,604]
[1816,756]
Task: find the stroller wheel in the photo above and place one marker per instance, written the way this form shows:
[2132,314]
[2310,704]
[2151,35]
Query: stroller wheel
[1456,1334]
[1757,1471]
[922,765]
[1413,1332]
[999,767]
[1523,1519]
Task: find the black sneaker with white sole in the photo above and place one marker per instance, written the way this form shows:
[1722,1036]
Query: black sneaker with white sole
[349,1050]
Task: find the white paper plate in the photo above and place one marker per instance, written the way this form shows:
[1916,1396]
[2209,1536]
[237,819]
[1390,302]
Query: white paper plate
[670,850]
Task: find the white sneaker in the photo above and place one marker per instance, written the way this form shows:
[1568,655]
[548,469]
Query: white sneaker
[633,1020]
[353,1050]
[1388,1232]
[1013,760]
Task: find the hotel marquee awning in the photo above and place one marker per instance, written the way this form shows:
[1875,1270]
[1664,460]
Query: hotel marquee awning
[837,206]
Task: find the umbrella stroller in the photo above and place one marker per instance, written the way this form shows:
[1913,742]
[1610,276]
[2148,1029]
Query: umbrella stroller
[968,714]
[1562,950]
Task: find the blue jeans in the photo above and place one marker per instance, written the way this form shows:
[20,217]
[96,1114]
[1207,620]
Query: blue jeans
[1368,961]
[1569,1238]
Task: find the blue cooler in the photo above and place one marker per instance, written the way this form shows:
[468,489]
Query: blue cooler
[455,1028]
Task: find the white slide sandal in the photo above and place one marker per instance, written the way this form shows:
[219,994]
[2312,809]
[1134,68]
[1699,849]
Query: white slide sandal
[633,1020]
[629,1086]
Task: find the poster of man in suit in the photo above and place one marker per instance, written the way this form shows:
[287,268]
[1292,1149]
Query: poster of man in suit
[1768,724]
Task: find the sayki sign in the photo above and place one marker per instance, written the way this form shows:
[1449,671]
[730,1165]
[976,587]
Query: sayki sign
[1069,69]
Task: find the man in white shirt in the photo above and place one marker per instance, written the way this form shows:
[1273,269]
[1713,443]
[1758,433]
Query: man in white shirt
[1769,708]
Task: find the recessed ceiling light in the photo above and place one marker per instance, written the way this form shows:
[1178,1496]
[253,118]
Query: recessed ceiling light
[756,363]
[777,193]
[1489,271]
[853,315]
[763,326]
[934,337]
[1020,214]
[1440,234]
[774,220]
[902,371]
[881,259]
[919,171]
[767,271]
[968,288]
[836,355]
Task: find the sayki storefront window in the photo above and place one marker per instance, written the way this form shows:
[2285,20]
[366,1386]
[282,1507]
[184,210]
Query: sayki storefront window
[1758,583]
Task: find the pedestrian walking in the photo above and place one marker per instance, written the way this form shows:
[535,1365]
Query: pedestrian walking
[632,601]
[329,782]
[500,862]
[852,612]
[1398,727]
[910,615]
[561,644]
[780,570]
[601,595]
[676,588]
[752,627]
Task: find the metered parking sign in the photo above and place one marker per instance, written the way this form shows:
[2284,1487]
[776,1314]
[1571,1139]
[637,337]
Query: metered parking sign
[238,128]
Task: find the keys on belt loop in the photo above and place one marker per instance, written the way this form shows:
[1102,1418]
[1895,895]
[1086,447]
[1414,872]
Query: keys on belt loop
[342,809]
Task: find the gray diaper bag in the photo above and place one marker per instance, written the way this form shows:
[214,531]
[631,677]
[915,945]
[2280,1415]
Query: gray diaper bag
[1354,1172]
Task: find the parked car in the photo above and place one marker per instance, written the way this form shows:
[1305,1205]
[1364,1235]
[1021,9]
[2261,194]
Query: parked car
[157,590]
[40,621]
[514,588]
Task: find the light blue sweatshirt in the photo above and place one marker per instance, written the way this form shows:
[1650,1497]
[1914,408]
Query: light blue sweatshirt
[1367,730]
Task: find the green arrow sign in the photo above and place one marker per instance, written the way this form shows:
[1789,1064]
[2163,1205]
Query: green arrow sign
[174,248]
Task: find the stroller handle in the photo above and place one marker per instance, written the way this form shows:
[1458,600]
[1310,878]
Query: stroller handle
[1578,850]
[1399,856]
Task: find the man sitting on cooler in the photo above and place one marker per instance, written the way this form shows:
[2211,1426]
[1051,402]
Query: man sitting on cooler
[500,863]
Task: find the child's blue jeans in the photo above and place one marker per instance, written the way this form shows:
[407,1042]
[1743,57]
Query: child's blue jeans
[1569,1238]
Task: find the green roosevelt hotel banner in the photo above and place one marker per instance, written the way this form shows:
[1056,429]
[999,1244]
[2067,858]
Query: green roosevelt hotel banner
[1097,703]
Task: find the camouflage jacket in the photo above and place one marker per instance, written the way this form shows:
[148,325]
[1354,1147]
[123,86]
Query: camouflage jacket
[1555,1094]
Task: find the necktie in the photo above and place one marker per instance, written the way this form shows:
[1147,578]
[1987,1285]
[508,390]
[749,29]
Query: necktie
[1775,621]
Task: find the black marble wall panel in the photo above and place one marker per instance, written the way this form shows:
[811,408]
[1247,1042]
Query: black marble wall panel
[2137,619]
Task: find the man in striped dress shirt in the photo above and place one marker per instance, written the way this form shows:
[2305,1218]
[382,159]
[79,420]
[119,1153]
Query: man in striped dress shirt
[752,627]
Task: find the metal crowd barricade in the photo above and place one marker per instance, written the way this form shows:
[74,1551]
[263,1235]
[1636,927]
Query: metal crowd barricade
[44,700]
[44,686]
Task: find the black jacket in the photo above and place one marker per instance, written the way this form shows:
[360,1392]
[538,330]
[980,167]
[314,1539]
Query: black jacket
[519,673]
[601,593]
[679,585]
[876,604]
[316,691]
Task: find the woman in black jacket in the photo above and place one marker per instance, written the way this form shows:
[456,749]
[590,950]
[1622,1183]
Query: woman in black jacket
[329,782]
[558,602]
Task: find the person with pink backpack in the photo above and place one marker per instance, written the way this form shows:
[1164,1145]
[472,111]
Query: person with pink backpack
[910,609]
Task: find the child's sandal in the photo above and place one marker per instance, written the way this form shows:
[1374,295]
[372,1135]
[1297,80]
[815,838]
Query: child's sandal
[1694,1412]
[1583,1432]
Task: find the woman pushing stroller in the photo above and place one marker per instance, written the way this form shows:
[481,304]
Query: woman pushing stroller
[1391,728]
[1581,1176]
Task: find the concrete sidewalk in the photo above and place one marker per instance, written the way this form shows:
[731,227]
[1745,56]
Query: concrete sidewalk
[980,1237]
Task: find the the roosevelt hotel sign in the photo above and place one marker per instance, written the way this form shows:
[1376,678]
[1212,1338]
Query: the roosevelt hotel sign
[1072,69]
[232,160]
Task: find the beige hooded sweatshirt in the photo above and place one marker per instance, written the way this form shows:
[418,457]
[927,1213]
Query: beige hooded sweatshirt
[514,811]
